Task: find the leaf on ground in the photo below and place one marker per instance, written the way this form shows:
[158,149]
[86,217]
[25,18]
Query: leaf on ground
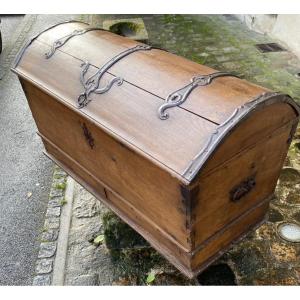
[151,277]
[99,239]
[29,194]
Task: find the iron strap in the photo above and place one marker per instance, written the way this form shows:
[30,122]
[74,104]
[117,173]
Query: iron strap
[224,129]
[91,84]
[28,43]
[180,96]
[63,40]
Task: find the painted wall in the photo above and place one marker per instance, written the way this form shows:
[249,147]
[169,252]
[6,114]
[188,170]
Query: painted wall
[285,28]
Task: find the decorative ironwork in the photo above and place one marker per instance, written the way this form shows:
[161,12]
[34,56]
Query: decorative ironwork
[242,189]
[178,97]
[91,84]
[225,128]
[28,43]
[63,40]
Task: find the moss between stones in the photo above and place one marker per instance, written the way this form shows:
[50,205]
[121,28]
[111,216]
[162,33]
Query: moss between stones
[296,216]
[61,186]
[133,257]
[275,215]
[297,146]
[248,258]
[134,264]
[118,235]
[288,189]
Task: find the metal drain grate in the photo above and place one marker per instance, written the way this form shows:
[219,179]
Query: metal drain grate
[269,47]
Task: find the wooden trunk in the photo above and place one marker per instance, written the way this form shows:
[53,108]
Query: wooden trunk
[191,182]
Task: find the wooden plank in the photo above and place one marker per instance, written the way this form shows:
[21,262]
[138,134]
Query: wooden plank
[160,72]
[127,112]
[159,239]
[214,208]
[188,263]
[146,186]
[255,128]
[220,243]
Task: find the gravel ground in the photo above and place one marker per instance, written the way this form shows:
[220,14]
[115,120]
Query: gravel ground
[25,173]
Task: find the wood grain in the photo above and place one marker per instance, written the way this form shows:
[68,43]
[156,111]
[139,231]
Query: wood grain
[120,150]
[221,242]
[126,111]
[264,161]
[149,188]
[255,128]
[189,263]
[161,72]
[159,239]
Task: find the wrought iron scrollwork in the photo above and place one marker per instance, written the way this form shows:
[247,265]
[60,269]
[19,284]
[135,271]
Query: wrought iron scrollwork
[24,48]
[178,97]
[91,84]
[61,41]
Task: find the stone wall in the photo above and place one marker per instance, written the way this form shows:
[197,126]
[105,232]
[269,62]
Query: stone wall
[285,28]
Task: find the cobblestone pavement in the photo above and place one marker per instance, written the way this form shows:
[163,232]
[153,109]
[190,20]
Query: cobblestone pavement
[103,250]
[50,231]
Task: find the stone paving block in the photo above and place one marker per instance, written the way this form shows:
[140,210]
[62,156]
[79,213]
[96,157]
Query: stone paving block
[47,249]
[59,173]
[53,212]
[56,193]
[51,223]
[58,179]
[56,202]
[50,235]
[44,266]
[42,280]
